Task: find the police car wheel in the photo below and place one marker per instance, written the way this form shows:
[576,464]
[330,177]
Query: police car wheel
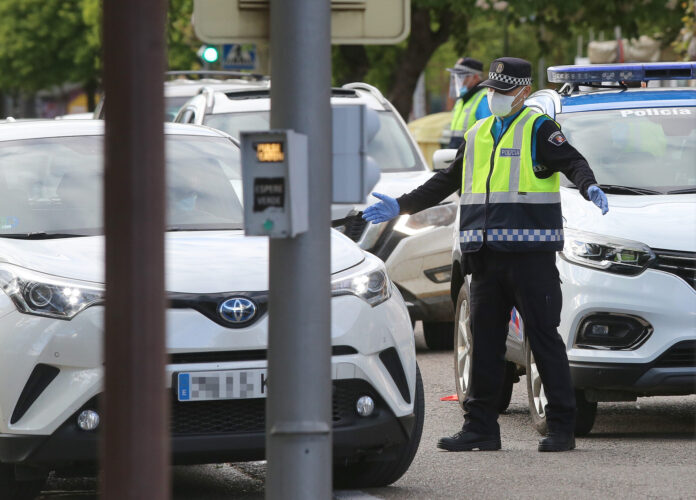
[13,489]
[535,393]
[376,473]
[438,335]
[463,346]
[586,411]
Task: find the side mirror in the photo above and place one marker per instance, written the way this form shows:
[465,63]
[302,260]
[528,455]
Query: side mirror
[443,158]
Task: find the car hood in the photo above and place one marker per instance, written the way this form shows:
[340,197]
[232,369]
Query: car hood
[667,222]
[393,184]
[196,261]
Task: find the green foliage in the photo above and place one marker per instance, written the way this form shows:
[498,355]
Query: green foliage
[51,42]
[44,43]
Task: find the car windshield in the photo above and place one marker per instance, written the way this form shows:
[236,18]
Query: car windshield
[172,105]
[649,148]
[391,147]
[52,187]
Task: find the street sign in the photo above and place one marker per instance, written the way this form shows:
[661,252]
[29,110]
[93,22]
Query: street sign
[239,56]
[352,21]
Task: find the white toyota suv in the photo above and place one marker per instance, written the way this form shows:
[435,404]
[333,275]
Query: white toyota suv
[417,248]
[51,316]
[629,277]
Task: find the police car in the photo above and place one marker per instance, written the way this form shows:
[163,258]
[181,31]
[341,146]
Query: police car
[629,277]
[52,311]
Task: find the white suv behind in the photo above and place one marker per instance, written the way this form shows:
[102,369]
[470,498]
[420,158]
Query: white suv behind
[417,248]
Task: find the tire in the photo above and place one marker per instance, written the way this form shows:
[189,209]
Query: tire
[586,411]
[463,350]
[11,489]
[438,335]
[372,474]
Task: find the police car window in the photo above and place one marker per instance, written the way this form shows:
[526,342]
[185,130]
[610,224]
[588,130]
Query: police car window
[653,148]
[54,185]
[391,148]
[172,105]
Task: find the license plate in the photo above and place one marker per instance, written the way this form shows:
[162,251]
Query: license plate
[228,384]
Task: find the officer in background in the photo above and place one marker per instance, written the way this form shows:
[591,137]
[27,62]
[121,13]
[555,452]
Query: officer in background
[471,105]
[507,171]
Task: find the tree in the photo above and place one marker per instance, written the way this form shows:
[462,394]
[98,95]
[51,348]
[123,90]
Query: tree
[548,29]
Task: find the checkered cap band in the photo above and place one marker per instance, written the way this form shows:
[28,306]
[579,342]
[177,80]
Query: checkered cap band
[509,79]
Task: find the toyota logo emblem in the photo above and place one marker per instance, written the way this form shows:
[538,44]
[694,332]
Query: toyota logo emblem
[237,310]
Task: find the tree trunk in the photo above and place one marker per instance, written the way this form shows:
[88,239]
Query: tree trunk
[421,44]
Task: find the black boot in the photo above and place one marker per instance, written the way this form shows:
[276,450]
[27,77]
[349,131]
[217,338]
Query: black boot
[557,441]
[469,441]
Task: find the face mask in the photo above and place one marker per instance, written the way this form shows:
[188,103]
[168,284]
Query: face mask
[501,104]
[463,90]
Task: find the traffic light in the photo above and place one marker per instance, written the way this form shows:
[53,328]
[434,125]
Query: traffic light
[355,172]
[208,53]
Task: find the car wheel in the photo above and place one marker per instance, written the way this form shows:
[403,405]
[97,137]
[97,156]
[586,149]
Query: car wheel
[463,355]
[371,474]
[464,345]
[438,335]
[535,393]
[12,489]
[585,410]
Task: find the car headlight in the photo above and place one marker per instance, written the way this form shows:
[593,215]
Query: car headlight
[368,281]
[45,295]
[607,253]
[439,215]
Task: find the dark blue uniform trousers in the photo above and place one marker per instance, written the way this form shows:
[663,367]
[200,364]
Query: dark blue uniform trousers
[530,282]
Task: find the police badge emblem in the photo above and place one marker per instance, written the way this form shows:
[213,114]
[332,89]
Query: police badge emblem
[499,68]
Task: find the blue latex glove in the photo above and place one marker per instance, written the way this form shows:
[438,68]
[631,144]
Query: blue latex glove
[383,210]
[598,198]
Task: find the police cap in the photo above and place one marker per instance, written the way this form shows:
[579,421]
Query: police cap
[506,73]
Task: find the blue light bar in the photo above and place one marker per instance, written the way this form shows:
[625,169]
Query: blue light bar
[630,72]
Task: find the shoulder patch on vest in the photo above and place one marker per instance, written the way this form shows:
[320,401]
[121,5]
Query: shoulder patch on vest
[557,138]
[507,152]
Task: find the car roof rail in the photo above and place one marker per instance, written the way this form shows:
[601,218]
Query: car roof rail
[209,95]
[266,92]
[234,74]
[374,91]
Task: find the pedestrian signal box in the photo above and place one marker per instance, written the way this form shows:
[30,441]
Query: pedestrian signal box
[274,179]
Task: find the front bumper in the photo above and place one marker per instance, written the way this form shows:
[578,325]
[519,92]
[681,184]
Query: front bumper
[673,373]
[219,431]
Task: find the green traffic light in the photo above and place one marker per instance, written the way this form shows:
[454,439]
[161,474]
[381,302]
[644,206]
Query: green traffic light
[210,54]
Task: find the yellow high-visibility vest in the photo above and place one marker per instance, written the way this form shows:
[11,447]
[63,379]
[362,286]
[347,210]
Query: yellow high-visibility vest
[503,202]
[464,114]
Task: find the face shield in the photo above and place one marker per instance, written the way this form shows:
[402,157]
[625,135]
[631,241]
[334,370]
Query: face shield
[460,81]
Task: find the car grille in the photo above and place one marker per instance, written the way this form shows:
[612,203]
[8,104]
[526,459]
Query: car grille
[251,355]
[239,416]
[682,354]
[682,264]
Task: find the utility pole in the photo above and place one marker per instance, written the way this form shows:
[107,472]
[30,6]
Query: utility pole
[298,408]
[135,437]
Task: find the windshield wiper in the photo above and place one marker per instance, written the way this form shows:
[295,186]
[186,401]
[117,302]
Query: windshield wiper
[626,189]
[683,191]
[41,236]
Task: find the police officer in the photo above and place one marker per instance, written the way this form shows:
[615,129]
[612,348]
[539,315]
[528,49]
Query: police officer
[507,172]
[471,105]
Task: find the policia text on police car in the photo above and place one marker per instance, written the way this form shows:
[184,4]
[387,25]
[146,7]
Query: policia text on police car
[507,172]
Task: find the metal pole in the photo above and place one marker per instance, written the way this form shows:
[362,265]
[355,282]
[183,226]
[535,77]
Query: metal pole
[135,439]
[298,417]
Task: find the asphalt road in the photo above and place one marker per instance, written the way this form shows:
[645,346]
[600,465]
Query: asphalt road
[643,449]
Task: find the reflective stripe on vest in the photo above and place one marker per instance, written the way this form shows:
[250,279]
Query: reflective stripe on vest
[502,200]
[464,115]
